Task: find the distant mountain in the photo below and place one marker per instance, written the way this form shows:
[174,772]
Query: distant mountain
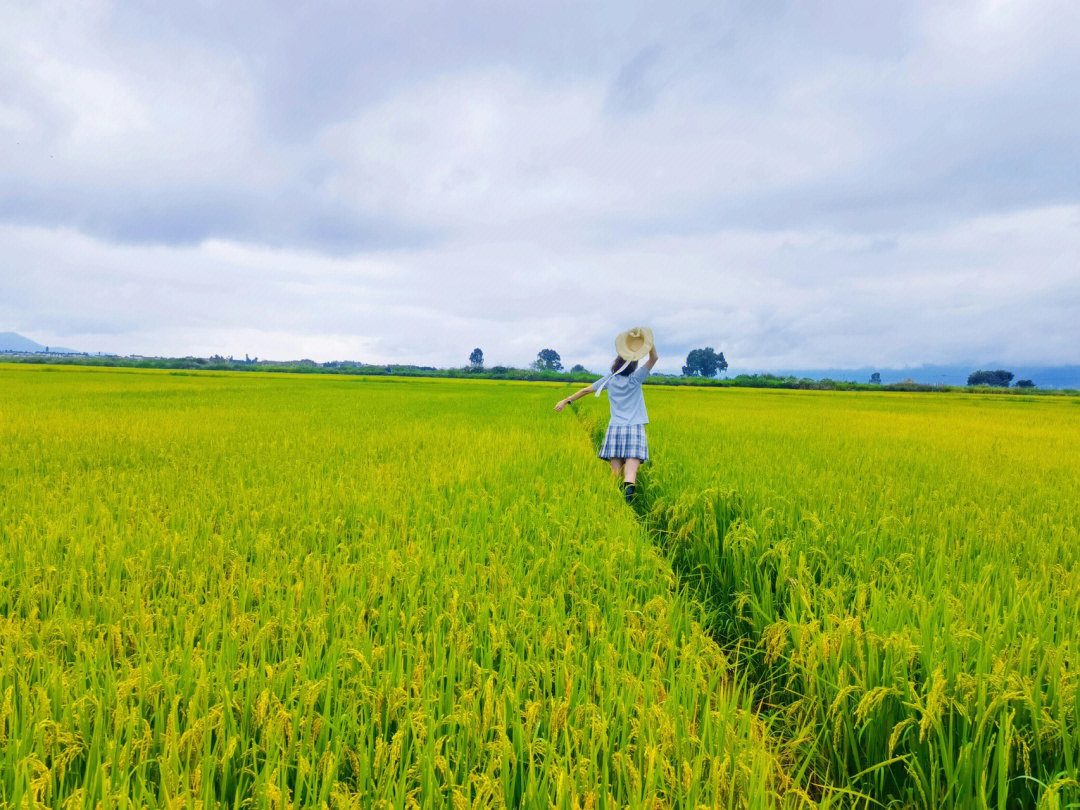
[1042,376]
[13,342]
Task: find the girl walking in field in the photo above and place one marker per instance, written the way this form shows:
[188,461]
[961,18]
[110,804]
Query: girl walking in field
[625,445]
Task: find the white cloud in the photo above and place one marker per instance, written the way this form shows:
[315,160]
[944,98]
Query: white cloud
[796,185]
[783,299]
[121,115]
[496,148]
[982,43]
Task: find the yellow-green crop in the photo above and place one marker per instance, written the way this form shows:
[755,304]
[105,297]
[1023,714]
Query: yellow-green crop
[901,573]
[279,591]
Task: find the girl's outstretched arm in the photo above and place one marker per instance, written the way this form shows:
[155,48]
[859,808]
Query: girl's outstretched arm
[576,395]
[653,357]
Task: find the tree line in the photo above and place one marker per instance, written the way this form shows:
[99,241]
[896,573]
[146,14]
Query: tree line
[705,362]
[692,375]
[999,378]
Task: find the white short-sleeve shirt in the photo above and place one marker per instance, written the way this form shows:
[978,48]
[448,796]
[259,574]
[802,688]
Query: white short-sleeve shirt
[626,399]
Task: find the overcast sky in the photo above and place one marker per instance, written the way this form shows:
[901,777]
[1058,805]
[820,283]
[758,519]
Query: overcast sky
[810,184]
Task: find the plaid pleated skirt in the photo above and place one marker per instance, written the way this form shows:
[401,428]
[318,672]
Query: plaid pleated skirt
[625,441]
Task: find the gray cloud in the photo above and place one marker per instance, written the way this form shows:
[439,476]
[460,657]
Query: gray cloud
[794,183]
[634,87]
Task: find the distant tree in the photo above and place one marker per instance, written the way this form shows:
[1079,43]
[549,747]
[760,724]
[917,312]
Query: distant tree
[476,359]
[578,369]
[547,360]
[704,363]
[999,378]
[875,378]
[1025,384]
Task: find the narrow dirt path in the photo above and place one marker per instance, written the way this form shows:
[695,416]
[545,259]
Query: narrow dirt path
[687,534]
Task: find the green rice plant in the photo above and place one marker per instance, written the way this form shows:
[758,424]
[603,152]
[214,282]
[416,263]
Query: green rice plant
[900,572]
[275,591]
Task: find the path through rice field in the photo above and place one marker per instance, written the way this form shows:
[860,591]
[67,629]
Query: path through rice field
[898,574]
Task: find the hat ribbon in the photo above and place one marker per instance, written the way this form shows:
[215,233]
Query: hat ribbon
[607,379]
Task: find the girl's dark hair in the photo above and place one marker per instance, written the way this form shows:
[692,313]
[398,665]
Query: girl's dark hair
[626,372]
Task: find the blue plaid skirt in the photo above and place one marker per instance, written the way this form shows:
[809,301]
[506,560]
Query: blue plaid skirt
[625,441]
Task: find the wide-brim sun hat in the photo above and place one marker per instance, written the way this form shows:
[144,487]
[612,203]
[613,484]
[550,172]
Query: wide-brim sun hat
[634,344]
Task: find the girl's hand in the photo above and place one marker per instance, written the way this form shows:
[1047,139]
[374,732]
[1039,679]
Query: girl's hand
[560,404]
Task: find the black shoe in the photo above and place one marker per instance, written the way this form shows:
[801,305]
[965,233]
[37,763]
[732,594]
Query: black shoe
[628,491]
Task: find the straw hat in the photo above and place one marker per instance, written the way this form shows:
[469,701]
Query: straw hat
[633,344]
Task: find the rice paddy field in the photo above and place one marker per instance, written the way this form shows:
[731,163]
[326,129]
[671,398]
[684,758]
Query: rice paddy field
[283,591]
[899,573]
[252,590]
